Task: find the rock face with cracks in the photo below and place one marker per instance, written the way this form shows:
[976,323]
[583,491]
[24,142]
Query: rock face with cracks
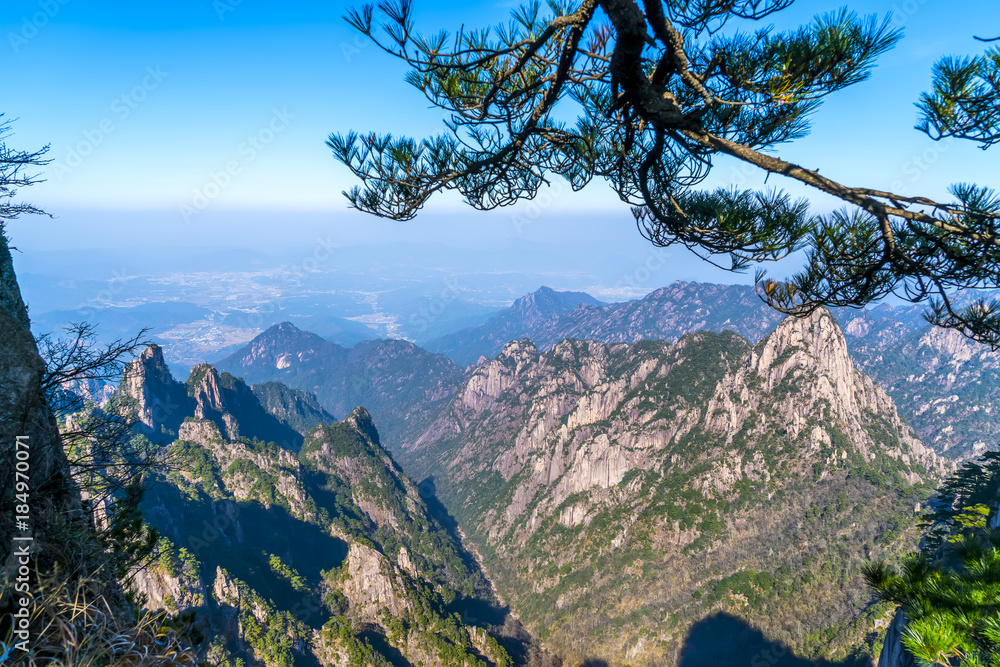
[28,430]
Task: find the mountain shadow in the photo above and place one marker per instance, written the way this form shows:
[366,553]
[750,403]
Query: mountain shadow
[479,611]
[723,640]
[472,610]
[240,537]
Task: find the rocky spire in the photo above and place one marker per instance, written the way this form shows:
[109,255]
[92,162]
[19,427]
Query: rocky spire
[804,364]
[160,401]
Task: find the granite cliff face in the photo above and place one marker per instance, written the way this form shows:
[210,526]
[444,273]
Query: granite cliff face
[160,401]
[657,480]
[24,414]
[401,384]
[894,654]
[64,563]
[236,409]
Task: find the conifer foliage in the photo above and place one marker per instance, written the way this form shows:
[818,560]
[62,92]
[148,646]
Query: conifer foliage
[661,88]
[950,590]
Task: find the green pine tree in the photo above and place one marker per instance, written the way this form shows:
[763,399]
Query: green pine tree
[661,88]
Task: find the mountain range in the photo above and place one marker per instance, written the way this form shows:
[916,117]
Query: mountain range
[401,384]
[944,384]
[316,550]
[676,480]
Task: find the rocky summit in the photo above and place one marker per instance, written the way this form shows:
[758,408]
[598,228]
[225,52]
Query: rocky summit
[943,384]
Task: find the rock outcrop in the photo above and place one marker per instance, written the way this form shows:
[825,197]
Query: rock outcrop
[894,654]
[323,544]
[160,401]
[46,543]
[372,586]
[233,406]
[162,590]
[28,430]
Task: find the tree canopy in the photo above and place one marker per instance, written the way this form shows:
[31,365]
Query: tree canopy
[659,89]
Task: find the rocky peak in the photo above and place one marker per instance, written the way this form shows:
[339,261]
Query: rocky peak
[152,359]
[518,353]
[232,405]
[373,585]
[280,347]
[951,347]
[490,379]
[812,341]
[285,328]
[546,301]
[204,387]
[161,402]
[361,421]
[805,367]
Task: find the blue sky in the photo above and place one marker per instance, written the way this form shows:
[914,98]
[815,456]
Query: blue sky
[163,97]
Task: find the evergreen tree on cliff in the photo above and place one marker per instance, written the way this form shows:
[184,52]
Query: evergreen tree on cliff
[661,90]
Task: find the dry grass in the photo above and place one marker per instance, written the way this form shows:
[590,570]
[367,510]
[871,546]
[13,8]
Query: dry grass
[75,625]
[79,616]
